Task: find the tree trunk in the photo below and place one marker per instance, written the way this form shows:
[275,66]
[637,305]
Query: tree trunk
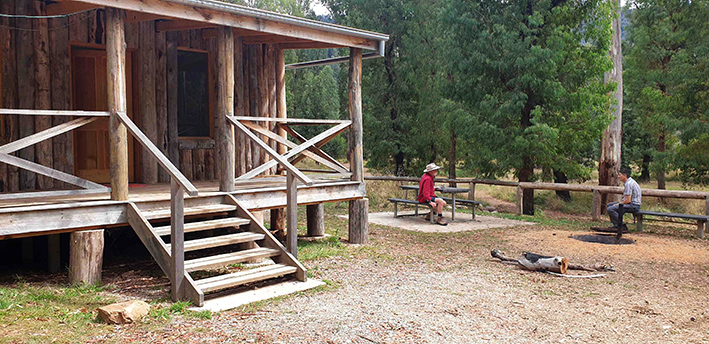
[560,177]
[661,171]
[645,172]
[609,164]
[452,157]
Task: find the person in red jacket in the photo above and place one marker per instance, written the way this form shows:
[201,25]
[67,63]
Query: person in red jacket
[427,194]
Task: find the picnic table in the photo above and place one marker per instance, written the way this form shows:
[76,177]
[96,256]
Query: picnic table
[446,190]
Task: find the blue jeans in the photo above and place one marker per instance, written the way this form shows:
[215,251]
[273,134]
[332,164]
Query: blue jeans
[616,211]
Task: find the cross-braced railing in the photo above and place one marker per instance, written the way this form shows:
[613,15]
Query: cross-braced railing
[84,118]
[308,148]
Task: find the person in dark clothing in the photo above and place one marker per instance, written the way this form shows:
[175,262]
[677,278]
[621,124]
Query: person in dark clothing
[427,194]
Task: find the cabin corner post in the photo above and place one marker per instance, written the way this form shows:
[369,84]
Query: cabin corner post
[358,225]
[117,101]
[278,216]
[225,107]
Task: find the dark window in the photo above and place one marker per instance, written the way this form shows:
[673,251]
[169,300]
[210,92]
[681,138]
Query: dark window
[192,94]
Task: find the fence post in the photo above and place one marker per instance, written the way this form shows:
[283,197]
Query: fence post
[471,193]
[596,207]
[520,199]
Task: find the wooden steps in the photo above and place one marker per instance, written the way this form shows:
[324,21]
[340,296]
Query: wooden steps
[205,225]
[220,260]
[222,240]
[162,213]
[222,235]
[221,282]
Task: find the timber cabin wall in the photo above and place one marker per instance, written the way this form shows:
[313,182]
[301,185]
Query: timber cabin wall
[35,73]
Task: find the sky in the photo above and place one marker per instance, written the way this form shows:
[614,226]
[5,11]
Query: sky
[318,8]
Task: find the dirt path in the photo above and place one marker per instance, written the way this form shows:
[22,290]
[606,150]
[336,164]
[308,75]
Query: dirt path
[412,287]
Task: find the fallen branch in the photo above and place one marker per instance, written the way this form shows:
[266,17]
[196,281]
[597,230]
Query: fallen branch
[535,262]
[575,276]
[558,265]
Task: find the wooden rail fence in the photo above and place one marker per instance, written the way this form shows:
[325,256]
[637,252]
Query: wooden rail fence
[597,190]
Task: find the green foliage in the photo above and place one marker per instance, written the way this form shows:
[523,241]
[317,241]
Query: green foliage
[666,87]
[531,74]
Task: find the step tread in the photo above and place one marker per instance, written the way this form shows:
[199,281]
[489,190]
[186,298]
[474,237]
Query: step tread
[222,240]
[161,213]
[242,277]
[229,258]
[205,225]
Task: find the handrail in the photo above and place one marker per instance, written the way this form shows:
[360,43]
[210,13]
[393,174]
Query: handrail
[155,152]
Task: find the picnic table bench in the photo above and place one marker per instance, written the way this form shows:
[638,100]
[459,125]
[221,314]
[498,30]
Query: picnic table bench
[452,200]
[701,219]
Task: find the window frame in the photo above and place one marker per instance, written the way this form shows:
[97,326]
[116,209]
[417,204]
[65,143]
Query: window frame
[210,94]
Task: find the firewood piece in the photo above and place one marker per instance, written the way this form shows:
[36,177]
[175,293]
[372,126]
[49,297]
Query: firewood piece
[535,262]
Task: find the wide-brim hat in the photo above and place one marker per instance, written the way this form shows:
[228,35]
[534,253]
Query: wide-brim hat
[431,167]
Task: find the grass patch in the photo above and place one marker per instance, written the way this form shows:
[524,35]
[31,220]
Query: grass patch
[45,314]
[329,247]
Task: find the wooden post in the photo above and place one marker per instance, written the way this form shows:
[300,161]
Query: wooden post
[173,142]
[225,107]
[359,221]
[116,83]
[161,100]
[520,197]
[44,99]
[358,210]
[255,52]
[245,142]
[355,107]
[240,105]
[263,98]
[177,240]
[292,213]
[86,257]
[60,63]
[596,205]
[26,85]
[8,73]
[316,220]
[278,216]
[54,253]
[148,111]
[471,193]
[700,229]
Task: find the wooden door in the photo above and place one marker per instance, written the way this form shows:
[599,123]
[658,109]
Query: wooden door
[89,92]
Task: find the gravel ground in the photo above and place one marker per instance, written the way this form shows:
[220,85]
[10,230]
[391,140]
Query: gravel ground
[411,287]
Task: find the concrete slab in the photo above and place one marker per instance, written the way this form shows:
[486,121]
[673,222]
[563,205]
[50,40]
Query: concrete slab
[227,302]
[462,223]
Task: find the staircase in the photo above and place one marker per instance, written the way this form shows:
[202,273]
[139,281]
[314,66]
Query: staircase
[218,233]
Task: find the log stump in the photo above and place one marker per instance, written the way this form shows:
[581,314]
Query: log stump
[86,257]
[316,220]
[359,221]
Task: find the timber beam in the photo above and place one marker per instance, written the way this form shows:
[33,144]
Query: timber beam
[212,16]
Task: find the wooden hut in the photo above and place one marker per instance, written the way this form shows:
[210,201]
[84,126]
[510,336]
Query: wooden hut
[168,116]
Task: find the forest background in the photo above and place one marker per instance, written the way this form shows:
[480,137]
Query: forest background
[495,89]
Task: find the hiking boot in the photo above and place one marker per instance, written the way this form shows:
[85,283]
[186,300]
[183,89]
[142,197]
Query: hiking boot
[428,217]
[441,221]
